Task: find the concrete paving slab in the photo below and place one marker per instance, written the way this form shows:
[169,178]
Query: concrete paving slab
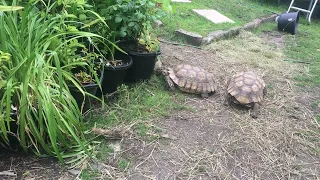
[213,15]
[183,1]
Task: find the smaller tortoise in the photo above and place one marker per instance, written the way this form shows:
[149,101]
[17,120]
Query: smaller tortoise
[248,89]
[190,79]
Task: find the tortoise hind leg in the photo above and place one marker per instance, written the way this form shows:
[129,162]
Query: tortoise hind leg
[264,91]
[227,99]
[205,95]
[255,110]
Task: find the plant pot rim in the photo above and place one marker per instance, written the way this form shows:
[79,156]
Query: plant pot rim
[139,53]
[91,84]
[124,66]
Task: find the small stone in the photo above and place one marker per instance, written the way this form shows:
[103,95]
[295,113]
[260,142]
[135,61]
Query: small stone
[116,147]
[74,172]
[167,136]
[97,166]
[191,37]
[296,107]
[157,24]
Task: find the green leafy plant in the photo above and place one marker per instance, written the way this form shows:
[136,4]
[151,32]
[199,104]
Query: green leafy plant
[84,77]
[5,61]
[107,30]
[48,118]
[10,8]
[149,42]
[76,55]
[129,19]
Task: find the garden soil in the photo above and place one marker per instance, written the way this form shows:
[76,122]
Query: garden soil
[219,142]
[213,141]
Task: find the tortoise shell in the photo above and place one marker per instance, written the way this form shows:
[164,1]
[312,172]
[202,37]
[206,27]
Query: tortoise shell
[192,79]
[246,87]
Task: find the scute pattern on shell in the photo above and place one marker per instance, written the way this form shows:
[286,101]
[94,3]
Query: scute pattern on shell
[192,79]
[246,87]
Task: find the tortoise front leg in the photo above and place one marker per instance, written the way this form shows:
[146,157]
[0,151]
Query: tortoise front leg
[170,83]
[255,110]
[227,99]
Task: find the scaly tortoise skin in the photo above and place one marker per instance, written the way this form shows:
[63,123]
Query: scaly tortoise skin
[246,88]
[191,79]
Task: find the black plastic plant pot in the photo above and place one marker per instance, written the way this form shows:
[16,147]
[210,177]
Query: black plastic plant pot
[288,22]
[13,144]
[89,88]
[143,63]
[143,66]
[114,76]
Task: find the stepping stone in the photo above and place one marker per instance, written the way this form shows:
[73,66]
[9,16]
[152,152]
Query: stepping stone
[213,15]
[184,1]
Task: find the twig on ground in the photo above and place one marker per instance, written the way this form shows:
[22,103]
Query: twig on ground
[8,173]
[147,157]
[115,133]
[296,61]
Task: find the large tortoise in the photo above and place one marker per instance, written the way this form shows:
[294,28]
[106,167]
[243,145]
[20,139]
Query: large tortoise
[248,89]
[190,79]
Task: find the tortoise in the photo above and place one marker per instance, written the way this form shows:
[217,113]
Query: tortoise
[247,89]
[190,79]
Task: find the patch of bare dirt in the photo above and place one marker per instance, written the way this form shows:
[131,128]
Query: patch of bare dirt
[273,38]
[218,142]
[309,98]
[19,166]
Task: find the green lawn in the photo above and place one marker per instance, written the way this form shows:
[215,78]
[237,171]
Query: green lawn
[137,102]
[304,48]
[241,11]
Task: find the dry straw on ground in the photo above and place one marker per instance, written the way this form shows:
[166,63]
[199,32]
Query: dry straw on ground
[218,142]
